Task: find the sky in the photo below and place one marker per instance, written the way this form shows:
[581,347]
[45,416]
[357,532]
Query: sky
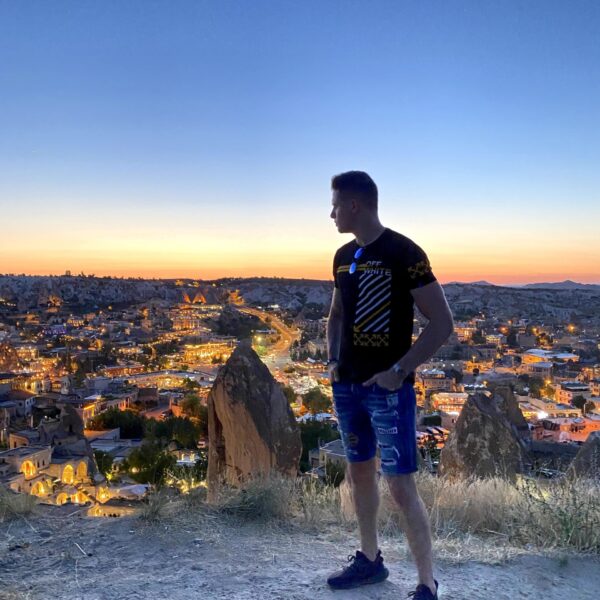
[198,139]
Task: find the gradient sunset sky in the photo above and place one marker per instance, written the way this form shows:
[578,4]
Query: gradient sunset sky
[198,139]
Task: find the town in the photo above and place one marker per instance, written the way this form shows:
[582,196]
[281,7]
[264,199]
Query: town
[104,382]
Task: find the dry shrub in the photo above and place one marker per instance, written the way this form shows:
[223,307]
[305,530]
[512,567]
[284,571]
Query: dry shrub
[13,504]
[196,498]
[318,503]
[550,514]
[154,506]
[469,506]
[565,513]
[262,499]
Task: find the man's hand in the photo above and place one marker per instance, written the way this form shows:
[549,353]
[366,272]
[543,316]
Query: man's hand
[333,368]
[390,380]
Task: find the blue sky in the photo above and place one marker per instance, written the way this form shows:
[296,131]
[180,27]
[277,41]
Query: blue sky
[199,138]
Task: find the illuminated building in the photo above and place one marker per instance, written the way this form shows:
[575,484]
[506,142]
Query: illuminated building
[569,389]
[464,331]
[193,353]
[449,402]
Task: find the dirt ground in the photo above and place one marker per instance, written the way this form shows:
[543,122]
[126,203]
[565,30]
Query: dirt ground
[60,554]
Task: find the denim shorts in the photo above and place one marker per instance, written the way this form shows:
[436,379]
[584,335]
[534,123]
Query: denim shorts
[371,417]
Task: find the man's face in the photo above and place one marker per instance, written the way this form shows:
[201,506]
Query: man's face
[343,212]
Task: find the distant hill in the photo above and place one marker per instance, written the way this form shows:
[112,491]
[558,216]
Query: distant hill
[556,285]
[482,282]
[563,285]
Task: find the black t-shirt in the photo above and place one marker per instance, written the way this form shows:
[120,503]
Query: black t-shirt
[377,304]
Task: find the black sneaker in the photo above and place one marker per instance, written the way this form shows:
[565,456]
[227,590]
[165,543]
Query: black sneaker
[360,571]
[424,593]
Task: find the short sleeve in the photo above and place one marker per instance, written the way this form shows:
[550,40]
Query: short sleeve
[417,267]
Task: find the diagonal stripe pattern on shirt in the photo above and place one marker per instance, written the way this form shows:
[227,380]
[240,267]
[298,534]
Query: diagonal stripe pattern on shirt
[375,292]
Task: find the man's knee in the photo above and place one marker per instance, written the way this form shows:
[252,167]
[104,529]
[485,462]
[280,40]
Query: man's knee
[362,473]
[403,489]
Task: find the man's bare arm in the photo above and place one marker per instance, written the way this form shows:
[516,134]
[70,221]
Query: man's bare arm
[334,326]
[431,301]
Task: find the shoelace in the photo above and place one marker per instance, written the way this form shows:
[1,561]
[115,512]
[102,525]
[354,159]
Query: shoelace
[355,564]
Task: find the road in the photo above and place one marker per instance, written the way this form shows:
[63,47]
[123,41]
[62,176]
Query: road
[279,354]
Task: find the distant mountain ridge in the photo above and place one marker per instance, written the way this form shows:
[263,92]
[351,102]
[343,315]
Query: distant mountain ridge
[568,284]
[481,282]
[563,285]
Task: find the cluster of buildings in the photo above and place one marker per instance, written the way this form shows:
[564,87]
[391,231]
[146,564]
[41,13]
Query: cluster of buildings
[146,357]
[58,371]
[554,370]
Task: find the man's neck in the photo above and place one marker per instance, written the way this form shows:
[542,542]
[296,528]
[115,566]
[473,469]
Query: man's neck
[368,233]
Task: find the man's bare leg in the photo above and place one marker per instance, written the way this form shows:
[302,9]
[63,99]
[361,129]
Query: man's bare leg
[416,524]
[365,496]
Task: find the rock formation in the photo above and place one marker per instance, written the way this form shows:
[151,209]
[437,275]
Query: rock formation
[487,440]
[507,403]
[587,461]
[251,428]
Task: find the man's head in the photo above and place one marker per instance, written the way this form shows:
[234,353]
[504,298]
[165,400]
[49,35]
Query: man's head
[354,199]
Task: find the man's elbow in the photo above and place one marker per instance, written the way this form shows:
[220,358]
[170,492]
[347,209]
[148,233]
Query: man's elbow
[449,326]
[445,325]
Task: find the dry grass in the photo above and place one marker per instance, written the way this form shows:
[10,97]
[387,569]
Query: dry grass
[264,499]
[13,505]
[471,506]
[562,513]
[155,506]
[489,520]
[318,504]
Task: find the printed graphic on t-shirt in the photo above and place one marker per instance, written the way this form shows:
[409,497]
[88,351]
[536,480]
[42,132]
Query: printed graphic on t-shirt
[374,305]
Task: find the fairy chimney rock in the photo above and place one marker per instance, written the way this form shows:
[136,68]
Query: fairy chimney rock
[488,439]
[251,427]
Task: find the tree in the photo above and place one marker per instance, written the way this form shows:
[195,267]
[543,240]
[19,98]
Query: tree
[588,407]
[79,377]
[478,337]
[547,392]
[184,431]
[198,412]
[334,473]
[289,393]
[512,340]
[190,384]
[130,423]
[535,387]
[104,461]
[579,402]
[149,464]
[316,401]
[190,405]
[313,433]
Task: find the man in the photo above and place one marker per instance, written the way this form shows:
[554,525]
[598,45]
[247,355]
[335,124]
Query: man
[378,278]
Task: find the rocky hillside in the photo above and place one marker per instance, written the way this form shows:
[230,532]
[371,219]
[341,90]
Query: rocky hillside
[547,305]
[581,304]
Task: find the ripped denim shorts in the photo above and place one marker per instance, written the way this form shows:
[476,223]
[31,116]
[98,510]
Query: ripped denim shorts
[371,417]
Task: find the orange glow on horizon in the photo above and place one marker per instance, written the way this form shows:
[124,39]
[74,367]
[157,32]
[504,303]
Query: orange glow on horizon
[317,271]
[292,253]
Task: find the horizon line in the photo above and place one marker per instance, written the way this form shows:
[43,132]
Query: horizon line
[453,281]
